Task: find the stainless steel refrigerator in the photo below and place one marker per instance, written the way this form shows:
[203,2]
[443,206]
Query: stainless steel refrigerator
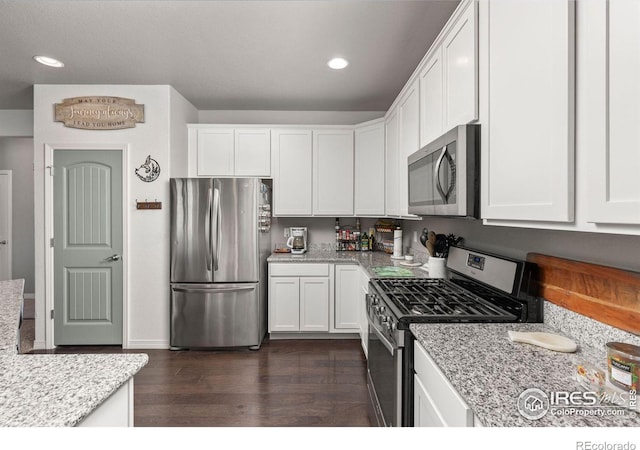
[219,247]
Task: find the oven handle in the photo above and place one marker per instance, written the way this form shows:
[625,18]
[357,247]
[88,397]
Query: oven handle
[388,344]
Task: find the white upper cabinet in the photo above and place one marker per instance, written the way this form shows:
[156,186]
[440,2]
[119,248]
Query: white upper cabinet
[229,152]
[333,172]
[460,69]
[392,159]
[431,98]
[369,189]
[449,76]
[613,111]
[215,150]
[292,172]
[527,139]
[409,141]
[253,152]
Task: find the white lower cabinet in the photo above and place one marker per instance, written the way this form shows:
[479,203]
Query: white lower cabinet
[315,299]
[116,411]
[298,297]
[347,294]
[436,402]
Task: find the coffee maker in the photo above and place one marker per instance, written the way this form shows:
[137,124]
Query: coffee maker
[297,242]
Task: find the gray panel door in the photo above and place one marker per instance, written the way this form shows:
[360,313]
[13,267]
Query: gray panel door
[236,230]
[88,244]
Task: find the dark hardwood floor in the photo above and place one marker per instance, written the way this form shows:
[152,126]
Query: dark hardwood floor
[287,383]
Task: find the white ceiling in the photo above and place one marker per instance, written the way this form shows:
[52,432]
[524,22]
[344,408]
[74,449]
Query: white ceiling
[222,55]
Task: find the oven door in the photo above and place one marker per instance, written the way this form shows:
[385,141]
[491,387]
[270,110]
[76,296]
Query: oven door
[384,382]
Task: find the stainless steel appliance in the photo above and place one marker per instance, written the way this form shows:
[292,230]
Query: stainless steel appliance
[219,248]
[297,242]
[481,288]
[444,175]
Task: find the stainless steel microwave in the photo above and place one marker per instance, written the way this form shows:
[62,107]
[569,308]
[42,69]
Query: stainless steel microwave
[444,175]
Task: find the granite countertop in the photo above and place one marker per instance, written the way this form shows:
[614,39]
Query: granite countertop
[11,297]
[52,390]
[60,390]
[368,260]
[490,372]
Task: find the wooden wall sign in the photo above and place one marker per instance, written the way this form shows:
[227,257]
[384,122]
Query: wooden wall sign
[99,113]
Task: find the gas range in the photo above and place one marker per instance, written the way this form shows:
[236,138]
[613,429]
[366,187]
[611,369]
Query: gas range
[481,288]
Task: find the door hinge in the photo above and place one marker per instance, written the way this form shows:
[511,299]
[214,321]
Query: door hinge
[51,242]
[52,314]
[51,170]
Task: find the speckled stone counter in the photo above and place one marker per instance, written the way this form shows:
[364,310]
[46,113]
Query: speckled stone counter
[11,299]
[368,260]
[60,390]
[490,372]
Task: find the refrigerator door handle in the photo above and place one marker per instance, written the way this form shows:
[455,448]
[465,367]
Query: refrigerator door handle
[215,289]
[216,202]
[207,226]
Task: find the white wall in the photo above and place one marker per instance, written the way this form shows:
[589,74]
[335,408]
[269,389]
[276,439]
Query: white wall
[288,117]
[16,122]
[148,231]
[16,154]
[182,112]
[620,251]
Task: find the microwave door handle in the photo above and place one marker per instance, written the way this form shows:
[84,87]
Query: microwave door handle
[452,184]
[436,174]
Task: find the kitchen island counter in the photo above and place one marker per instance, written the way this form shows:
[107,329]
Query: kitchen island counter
[368,260]
[60,390]
[490,372]
[11,298]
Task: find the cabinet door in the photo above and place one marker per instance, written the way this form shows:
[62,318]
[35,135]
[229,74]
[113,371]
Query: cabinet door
[528,142]
[613,112]
[216,152]
[292,161]
[431,99]
[347,295]
[333,172]
[392,159]
[252,152]
[409,125]
[425,414]
[369,170]
[460,70]
[284,304]
[314,304]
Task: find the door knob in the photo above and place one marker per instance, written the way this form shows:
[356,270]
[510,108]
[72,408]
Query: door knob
[3,242]
[114,257]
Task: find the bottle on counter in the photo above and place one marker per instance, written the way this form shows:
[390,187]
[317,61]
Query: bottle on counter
[357,224]
[371,240]
[364,244]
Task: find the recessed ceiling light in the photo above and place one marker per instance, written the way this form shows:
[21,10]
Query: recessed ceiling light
[48,61]
[338,63]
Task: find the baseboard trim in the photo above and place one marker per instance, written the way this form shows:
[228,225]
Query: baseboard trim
[307,335]
[143,344]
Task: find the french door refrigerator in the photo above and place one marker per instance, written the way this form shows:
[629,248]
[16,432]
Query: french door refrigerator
[219,247]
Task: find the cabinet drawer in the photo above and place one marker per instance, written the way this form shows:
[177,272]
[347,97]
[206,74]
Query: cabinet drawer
[299,270]
[451,407]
